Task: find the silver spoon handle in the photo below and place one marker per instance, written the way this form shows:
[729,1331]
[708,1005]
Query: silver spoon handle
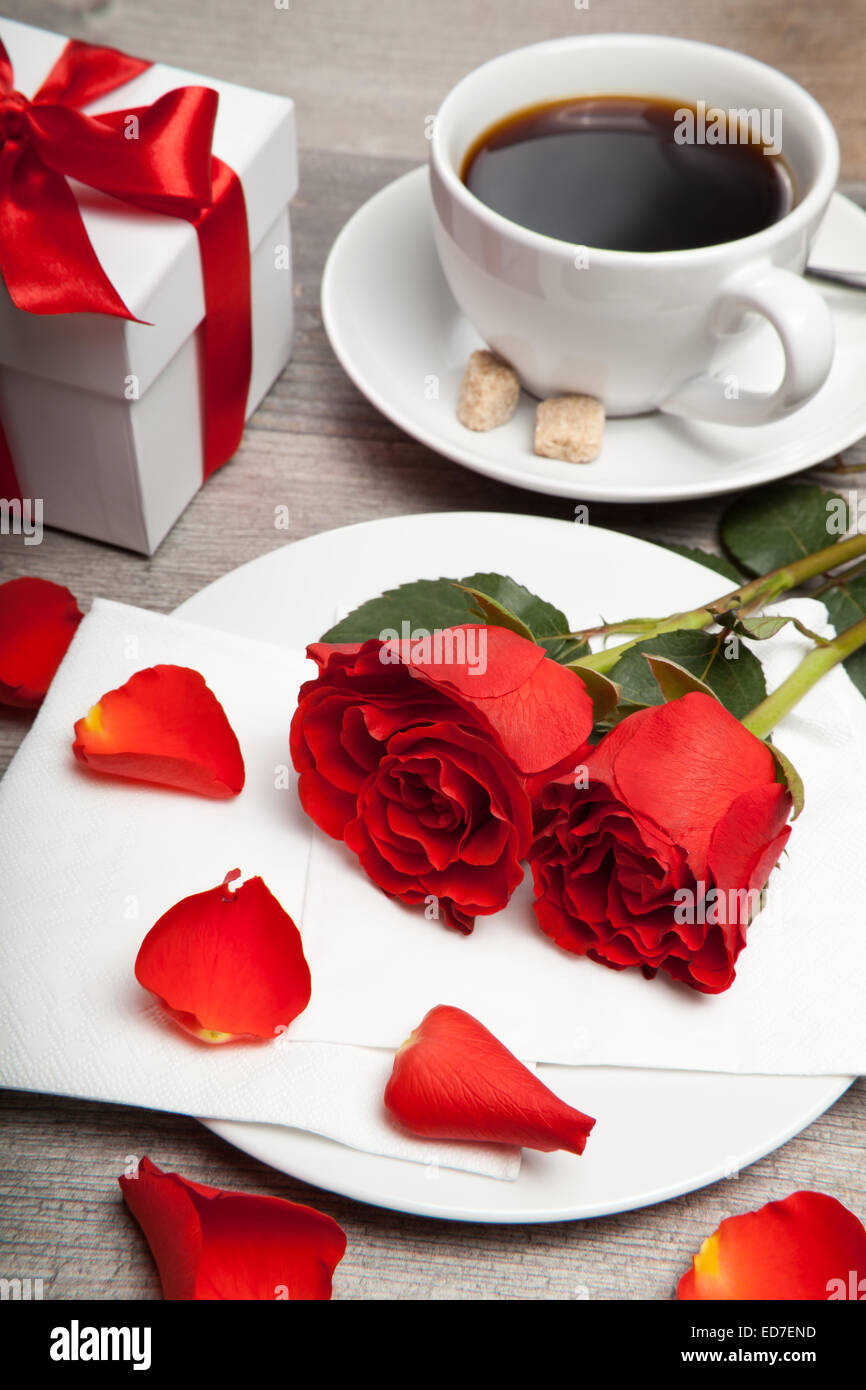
[852,279]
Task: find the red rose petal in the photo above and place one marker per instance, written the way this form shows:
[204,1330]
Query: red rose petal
[539,709]
[465,770]
[210,1244]
[509,660]
[38,620]
[806,1247]
[227,964]
[452,1079]
[165,726]
[681,765]
[748,840]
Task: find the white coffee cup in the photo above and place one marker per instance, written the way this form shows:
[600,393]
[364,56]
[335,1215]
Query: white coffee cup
[639,330]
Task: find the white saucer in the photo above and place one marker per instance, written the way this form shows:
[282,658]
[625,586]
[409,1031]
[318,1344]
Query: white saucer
[395,327]
[660,1133]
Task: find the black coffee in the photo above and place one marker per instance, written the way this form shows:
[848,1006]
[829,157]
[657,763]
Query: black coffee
[628,174]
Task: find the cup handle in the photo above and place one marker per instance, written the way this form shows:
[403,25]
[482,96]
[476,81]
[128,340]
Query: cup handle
[804,324]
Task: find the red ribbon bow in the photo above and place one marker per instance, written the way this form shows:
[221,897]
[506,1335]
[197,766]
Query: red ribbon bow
[157,158]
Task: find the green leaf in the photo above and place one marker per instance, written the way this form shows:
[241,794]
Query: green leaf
[789,777]
[563,650]
[529,615]
[674,680]
[712,562]
[494,613]
[846,604]
[603,692]
[759,628]
[431,604]
[765,625]
[777,525]
[425,603]
[736,680]
[543,619]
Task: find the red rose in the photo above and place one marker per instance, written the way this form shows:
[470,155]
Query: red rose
[660,859]
[421,756]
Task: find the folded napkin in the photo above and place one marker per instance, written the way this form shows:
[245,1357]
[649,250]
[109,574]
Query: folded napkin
[796,1006]
[89,864]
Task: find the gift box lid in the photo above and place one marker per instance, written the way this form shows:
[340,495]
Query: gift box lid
[152,260]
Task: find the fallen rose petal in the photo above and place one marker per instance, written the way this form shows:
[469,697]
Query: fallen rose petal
[210,1244]
[164,726]
[227,964]
[452,1079]
[806,1247]
[38,620]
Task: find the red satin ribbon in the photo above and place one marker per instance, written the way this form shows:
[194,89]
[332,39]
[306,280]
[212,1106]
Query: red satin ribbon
[46,258]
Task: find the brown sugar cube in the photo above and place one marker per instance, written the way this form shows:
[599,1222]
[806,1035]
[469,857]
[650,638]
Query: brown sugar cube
[489,392]
[569,428]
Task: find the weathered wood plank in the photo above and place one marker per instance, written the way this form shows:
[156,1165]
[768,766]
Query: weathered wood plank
[62,1219]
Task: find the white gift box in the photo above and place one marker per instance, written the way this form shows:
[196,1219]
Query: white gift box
[105,465]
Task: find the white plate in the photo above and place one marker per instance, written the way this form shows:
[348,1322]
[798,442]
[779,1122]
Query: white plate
[399,335]
[660,1133]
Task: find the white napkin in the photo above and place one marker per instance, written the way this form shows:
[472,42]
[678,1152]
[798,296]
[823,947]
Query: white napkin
[89,864]
[796,1006]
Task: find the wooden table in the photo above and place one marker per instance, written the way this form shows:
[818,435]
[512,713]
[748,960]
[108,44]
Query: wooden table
[365,75]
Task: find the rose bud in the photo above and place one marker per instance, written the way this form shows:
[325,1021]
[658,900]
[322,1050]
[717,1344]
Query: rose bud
[38,620]
[422,759]
[164,726]
[452,1079]
[227,965]
[806,1247]
[659,861]
[210,1244]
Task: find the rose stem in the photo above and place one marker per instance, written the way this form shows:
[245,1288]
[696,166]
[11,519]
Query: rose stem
[757,591]
[836,581]
[765,716]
